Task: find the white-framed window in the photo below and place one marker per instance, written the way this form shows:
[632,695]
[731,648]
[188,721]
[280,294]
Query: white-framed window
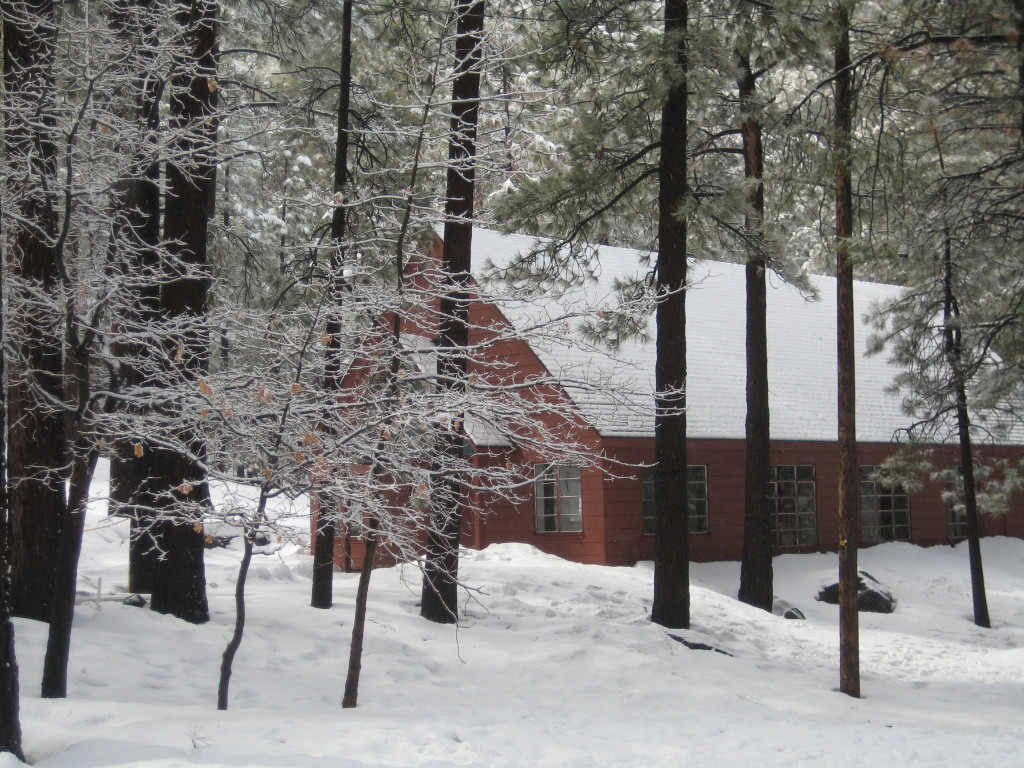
[794,512]
[557,498]
[696,499]
[884,508]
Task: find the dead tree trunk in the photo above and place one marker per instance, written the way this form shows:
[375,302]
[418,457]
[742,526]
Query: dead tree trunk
[671,603]
[441,564]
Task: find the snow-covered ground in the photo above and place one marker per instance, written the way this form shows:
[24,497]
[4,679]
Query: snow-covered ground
[554,665]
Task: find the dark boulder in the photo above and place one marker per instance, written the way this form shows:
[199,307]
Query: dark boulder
[786,611]
[872,595]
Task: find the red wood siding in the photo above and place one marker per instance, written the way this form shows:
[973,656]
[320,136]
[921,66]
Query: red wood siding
[612,529]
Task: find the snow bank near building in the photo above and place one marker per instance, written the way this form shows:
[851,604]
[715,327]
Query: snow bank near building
[555,665]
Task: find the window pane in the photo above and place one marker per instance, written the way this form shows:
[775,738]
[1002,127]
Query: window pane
[647,499]
[547,523]
[885,510]
[557,498]
[698,518]
[794,520]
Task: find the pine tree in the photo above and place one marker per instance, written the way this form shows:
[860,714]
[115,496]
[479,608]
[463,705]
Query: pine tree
[439,592]
[10,698]
[326,525]
[671,605]
[849,517]
[136,22]
[756,578]
[35,434]
[179,585]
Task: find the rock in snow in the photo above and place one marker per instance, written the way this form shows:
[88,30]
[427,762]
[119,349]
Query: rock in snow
[872,595]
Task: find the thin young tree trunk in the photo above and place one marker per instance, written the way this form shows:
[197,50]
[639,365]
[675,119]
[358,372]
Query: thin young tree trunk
[80,458]
[756,578]
[236,637]
[355,653]
[326,529]
[179,586]
[10,696]
[849,477]
[671,603]
[35,434]
[954,356]
[441,564]
[58,641]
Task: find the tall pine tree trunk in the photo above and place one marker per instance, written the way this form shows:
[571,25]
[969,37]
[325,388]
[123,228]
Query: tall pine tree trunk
[671,603]
[756,578]
[35,434]
[954,357]
[849,476]
[179,586]
[440,571]
[326,525]
[137,234]
[10,697]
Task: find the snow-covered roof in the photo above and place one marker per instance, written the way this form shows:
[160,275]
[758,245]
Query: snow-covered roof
[801,352]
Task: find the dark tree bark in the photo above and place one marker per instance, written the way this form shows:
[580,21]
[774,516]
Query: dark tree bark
[179,586]
[954,357]
[35,435]
[671,604]
[236,636]
[849,477]
[137,233]
[82,460]
[441,565]
[756,578]
[326,529]
[323,561]
[10,698]
[355,653]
